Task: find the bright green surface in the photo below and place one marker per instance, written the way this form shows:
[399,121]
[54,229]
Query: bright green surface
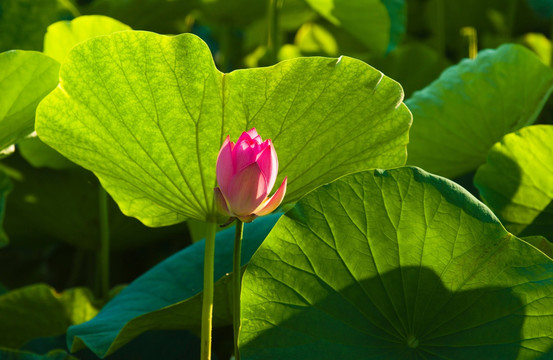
[458,117]
[147,114]
[169,295]
[5,188]
[59,39]
[397,264]
[25,78]
[63,35]
[38,311]
[517,181]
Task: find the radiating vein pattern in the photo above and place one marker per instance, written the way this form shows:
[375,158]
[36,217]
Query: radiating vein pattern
[395,264]
[147,114]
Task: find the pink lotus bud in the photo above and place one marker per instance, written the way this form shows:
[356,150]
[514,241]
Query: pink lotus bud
[246,174]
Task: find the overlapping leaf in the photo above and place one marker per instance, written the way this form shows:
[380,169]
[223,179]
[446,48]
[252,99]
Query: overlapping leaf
[59,39]
[38,310]
[25,78]
[147,113]
[472,105]
[516,181]
[169,295]
[63,35]
[367,21]
[397,264]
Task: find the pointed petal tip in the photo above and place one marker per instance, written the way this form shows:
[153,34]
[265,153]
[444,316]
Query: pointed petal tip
[271,205]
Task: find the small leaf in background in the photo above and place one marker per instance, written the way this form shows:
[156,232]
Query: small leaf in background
[516,181]
[157,111]
[540,45]
[12,354]
[397,11]
[63,35]
[458,117]
[39,311]
[367,20]
[5,188]
[397,264]
[399,65]
[24,22]
[169,295]
[25,78]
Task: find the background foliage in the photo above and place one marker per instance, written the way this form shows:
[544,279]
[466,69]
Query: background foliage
[351,86]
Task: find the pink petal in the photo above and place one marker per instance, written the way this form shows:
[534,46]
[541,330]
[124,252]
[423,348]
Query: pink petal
[247,189]
[268,163]
[225,168]
[275,200]
[244,153]
[254,135]
[220,202]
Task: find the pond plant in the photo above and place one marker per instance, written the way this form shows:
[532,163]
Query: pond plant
[282,179]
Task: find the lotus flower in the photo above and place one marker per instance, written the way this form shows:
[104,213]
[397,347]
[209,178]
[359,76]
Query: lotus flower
[246,174]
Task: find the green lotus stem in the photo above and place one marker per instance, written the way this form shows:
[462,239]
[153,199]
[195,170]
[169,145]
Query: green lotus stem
[236,285]
[104,242]
[470,33]
[207,306]
[272,37]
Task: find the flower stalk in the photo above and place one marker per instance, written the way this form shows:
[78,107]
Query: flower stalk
[207,305]
[237,285]
[103,255]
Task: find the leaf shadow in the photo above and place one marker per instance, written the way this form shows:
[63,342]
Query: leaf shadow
[377,319]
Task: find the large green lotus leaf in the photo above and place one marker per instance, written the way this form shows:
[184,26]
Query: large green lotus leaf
[24,22]
[59,39]
[516,181]
[63,35]
[38,311]
[367,20]
[169,295]
[147,114]
[25,78]
[5,188]
[472,105]
[397,264]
